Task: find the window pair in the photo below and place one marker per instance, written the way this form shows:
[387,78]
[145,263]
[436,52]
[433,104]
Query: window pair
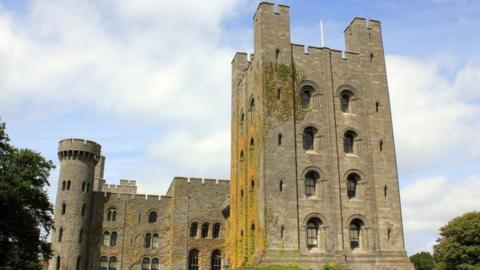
[152,264]
[110,239]
[215,260]
[108,263]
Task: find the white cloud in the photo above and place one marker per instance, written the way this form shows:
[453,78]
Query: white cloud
[430,203]
[151,59]
[198,154]
[431,115]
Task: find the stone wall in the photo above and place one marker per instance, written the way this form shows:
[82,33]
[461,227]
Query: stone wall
[276,78]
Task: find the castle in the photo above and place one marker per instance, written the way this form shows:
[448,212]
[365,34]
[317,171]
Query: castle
[313,172]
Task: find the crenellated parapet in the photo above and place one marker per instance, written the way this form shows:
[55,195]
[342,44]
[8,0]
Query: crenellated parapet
[79,149]
[125,186]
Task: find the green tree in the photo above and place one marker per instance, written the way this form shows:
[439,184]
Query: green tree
[423,261]
[458,247]
[25,211]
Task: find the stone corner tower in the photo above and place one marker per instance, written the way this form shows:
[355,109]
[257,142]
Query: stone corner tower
[313,166]
[70,240]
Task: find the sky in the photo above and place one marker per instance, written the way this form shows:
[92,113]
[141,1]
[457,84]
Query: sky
[150,81]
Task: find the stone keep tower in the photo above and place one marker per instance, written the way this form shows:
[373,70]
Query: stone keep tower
[313,167]
[70,240]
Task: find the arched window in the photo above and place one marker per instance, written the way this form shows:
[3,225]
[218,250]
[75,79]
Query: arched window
[64,185]
[352,182]
[193,259]
[155,264]
[84,208]
[216,260]
[309,138]
[106,239]
[193,229]
[60,235]
[64,208]
[84,186]
[313,226]
[216,230]
[355,233]
[103,263]
[57,263]
[279,139]
[348,141]
[112,215]
[311,179]
[69,184]
[242,118]
[112,265]
[152,217]
[80,235]
[204,230]
[155,240]
[146,264]
[306,93]
[280,186]
[148,240]
[113,239]
[345,98]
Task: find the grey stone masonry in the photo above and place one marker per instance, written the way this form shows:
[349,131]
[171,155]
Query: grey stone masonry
[327,171]
[104,226]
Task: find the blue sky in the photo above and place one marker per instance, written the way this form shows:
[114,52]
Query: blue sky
[150,81]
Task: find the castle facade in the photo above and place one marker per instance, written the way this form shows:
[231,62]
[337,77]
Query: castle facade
[313,172]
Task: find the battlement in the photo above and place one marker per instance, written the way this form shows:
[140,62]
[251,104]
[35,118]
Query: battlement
[312,50]
[203,181]
[146,197]
[125,187]
[240,58]
[364,23]
[79,149]
[80,145]
[272,8]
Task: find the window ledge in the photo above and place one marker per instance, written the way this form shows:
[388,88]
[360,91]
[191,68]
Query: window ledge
[351,155]
[311,152]
[315,250]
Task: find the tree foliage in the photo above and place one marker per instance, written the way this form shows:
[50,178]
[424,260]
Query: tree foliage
[458,247]
[423,261]
[26,213]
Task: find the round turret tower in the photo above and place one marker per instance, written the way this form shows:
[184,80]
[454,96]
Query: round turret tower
[78,159]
